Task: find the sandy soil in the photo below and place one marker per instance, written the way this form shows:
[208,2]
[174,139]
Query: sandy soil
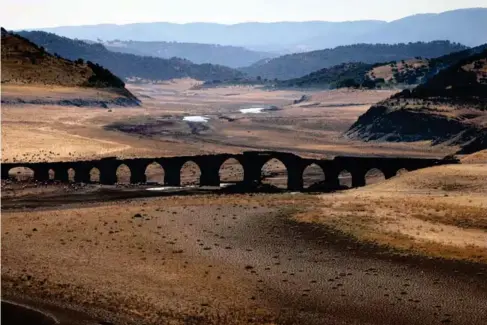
[261,258]
[222,260]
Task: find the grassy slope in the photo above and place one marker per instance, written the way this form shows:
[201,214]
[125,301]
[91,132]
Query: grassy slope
[25,63]
[439,212]
[403,73]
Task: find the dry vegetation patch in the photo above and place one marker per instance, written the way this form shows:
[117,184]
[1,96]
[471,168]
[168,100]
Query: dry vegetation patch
[387,71]
[480,157]
[440,211]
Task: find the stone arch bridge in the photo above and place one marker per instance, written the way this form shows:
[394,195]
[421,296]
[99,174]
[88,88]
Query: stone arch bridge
[209,165]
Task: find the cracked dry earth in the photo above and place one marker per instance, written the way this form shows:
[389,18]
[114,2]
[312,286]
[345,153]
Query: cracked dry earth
[211,259]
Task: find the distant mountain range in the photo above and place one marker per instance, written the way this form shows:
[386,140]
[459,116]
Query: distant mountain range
[230,56]
[281,37]
[129,65]
[464,26]
[299,64]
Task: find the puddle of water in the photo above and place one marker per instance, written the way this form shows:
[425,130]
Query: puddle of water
[196,118]
[254,110]
[163,188]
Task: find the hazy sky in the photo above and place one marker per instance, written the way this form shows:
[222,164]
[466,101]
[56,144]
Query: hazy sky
[17,14]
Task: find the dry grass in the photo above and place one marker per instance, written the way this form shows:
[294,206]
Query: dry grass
[385,71]
[420,211]
[479,157]
[479,67]
[22,63]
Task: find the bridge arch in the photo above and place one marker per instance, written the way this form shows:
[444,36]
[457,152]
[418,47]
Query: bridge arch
[154,173]
[274,172]
[190,173]
[313,175]
[52,174]
[21,173]
[94,175]
[231,171]
[374,175]
[71,175]
[123,173]
[345,178]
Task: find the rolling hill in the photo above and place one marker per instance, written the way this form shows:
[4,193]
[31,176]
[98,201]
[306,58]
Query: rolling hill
[341,75]
[450,108]
[291,37]
[300,64]
[129,65]
[404,73]
[23,62]
[230,56]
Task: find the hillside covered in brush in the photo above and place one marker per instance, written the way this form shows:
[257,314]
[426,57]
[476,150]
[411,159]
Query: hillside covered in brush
[300,64]
[404,73]
[338,76]
[450,108]
[129,65]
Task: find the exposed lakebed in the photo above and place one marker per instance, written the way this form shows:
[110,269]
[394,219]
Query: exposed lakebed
[178,125]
